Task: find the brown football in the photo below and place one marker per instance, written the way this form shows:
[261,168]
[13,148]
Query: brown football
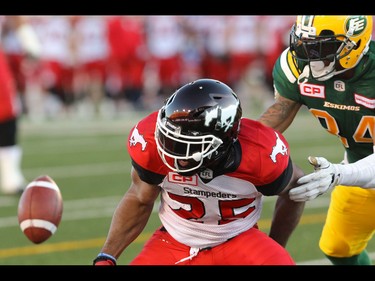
[40,209]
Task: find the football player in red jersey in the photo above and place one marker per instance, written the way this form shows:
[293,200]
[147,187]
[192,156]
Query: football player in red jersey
[211,167]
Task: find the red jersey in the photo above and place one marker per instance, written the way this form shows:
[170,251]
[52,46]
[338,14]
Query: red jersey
[204,213]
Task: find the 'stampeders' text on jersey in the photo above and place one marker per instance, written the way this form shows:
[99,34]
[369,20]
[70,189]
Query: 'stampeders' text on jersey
[202,214]
[345,108]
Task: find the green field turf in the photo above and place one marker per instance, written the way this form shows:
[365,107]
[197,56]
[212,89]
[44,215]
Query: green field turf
[88,160]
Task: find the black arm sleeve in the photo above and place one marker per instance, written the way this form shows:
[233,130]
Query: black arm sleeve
[279,184]
[148,176]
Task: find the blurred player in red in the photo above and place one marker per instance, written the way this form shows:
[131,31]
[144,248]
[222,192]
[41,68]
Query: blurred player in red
[127,59]
[90,50]
[212,169]
[12,180]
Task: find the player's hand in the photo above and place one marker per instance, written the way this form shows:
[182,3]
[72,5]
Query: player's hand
[104,259]
[324,178]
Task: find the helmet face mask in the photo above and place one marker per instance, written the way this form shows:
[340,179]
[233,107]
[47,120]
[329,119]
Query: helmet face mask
[193,149]
[318,49]
[338,41]
[197,125]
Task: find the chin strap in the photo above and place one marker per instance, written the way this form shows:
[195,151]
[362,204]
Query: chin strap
[304,76]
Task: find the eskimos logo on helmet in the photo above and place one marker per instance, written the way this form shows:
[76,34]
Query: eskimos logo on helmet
[356,23]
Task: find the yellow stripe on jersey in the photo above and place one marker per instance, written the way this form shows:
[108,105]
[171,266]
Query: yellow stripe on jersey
[288,66]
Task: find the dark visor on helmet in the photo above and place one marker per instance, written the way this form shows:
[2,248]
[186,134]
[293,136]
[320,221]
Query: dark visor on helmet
[180,146]
[315,49]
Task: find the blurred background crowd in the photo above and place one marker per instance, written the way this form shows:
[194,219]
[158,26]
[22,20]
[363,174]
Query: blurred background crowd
[100,66]
[90,67]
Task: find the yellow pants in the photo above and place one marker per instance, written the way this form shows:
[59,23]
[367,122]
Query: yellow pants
[350,222]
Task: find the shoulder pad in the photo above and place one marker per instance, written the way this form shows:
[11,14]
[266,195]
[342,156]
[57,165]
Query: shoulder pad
[289,66]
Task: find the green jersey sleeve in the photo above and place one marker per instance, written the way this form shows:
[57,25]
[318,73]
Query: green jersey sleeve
[285,76]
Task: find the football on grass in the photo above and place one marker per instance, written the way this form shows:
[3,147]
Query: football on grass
[40,209]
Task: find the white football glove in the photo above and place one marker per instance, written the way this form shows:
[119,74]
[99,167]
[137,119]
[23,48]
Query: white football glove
[324,178]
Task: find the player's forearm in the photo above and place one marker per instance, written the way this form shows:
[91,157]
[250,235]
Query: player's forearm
[280,115]
[360,173]
[286,217]
[128,222]
[272,118]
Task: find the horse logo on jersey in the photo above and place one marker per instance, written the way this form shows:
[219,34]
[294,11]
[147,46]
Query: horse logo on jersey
[136,137]
[279,147]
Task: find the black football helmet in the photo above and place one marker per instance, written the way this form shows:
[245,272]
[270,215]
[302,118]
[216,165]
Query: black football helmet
[198,124]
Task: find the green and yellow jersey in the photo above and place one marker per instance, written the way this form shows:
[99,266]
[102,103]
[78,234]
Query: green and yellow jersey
[345,108]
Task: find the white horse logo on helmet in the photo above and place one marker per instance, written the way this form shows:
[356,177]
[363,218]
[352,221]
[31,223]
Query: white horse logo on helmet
[136,137]
[279,147]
